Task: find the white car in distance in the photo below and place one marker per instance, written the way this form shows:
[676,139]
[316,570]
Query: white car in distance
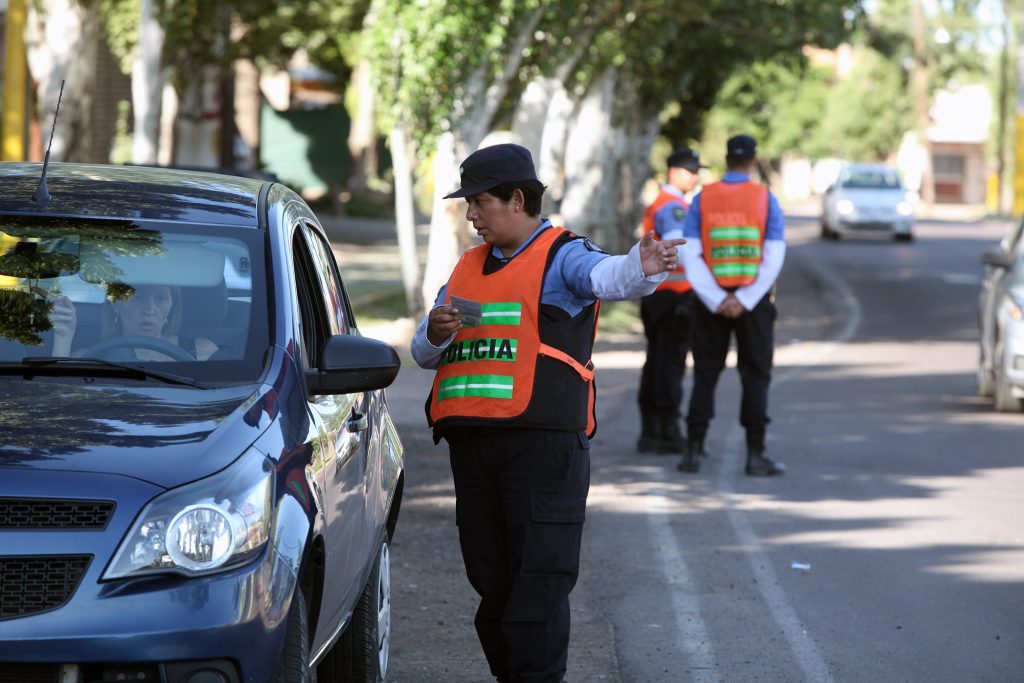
[868,198]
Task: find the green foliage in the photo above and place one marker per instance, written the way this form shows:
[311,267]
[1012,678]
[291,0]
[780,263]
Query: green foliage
[867,112]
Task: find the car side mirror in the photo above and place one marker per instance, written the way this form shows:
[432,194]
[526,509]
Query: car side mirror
[995,257]
[350,363]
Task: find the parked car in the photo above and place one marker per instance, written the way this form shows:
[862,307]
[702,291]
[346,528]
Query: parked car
[867,198]
[1001,323]
[199,475]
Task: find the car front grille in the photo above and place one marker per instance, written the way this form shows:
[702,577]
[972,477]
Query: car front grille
[33,584]
[35,513]
[30,673]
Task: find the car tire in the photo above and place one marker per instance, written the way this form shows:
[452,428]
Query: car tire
[295,656]
[361,654]
[986,383]
[904,237]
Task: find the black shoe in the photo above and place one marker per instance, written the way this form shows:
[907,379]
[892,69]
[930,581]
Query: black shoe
[760,465]
[649,425]
[671,439]
[697,446]
[689,463]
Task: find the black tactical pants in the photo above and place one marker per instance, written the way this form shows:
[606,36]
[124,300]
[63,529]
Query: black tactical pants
[666,317]
[755,344]
[520,499]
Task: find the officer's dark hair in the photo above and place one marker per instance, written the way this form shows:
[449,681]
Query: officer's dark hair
[734,162]
[533,191]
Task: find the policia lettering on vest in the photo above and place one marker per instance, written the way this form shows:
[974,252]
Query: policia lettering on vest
[514,398]
[734,253]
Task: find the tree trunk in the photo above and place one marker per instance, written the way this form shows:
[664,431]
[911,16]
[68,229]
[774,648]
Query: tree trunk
[405,220]
[198,125]
[61,39]
[362,139]
[590,203]
[147,83]
[443,246]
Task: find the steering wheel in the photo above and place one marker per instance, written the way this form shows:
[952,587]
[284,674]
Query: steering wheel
[139,342]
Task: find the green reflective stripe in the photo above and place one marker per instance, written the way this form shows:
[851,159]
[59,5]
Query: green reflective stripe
[735,232]
[728,269]
[488,386]
[501,313]
[484,348]
[734,251]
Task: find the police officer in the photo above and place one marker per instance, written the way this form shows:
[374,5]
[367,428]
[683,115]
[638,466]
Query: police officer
[666,316]
[511,335]
[734,253]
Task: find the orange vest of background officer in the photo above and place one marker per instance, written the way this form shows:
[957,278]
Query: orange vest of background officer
[733,221]
[676,281]
[516,367]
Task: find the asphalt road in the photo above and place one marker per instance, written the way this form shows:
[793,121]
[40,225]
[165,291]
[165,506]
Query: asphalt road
[891,551]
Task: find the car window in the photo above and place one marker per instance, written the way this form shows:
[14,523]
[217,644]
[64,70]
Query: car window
[330,281]
[867,178]
[135,291]
[1014,240]
[314,322]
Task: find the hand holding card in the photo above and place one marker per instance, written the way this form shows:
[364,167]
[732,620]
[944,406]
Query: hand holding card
[468,311]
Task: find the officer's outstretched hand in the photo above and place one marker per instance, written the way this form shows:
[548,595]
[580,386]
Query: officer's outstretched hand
[659,256]
[441,323]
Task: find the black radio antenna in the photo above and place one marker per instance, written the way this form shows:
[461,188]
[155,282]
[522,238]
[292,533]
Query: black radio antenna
[42,195]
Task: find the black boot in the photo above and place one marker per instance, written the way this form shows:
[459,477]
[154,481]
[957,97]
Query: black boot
[670,436]
[760,465]
[648,441]
[691,459]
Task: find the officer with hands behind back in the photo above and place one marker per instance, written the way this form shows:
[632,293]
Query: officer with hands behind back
[510,336]
[734,253]
[666,316]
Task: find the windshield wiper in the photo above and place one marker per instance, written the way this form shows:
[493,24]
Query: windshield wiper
[130,370]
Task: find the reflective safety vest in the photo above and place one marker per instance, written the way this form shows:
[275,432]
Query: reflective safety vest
[517,367]
[676,280]
[733,220]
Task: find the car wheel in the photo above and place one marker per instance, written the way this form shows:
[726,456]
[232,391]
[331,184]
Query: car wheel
[361,654]
[986,384]
[904,237]
[295,657]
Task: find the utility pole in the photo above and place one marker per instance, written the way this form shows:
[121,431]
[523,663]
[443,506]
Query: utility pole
[13,143]
[1018,165]
[996,201]
[920,88]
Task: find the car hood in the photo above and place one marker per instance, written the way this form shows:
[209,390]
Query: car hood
[165,435]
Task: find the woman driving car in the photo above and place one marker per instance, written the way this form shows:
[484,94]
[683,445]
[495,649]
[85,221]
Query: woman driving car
[145,323]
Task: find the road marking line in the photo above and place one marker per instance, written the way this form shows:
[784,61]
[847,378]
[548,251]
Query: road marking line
[684,596]
[800,642]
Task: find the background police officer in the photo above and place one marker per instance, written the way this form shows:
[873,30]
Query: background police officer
[666,316]
[514,400]
[734,253]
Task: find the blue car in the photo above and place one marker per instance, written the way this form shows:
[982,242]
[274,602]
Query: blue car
[199,476]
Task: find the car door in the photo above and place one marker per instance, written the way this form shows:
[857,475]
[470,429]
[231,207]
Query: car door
[343,427]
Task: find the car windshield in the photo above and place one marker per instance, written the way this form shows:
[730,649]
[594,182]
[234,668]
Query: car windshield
[183,300]
[870,178]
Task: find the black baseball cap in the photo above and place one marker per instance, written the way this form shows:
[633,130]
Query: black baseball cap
[492,166]
[741,147]
[684,157]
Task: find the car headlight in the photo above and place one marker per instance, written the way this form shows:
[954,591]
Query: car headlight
[905,209]
[844,207]
[212,524]
[1014,306]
